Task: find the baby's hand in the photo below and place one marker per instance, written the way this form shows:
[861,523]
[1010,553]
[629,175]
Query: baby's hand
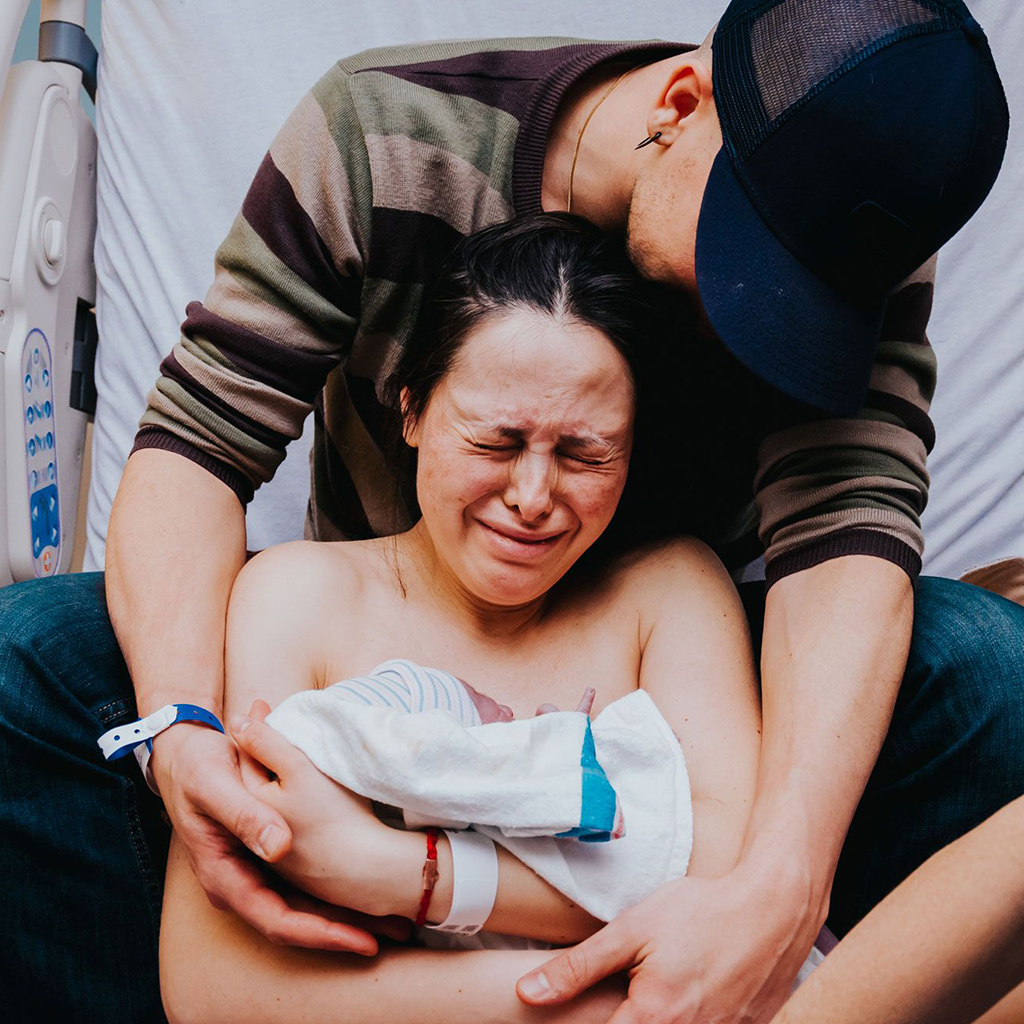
[585,704]
[491,711]
[488,709]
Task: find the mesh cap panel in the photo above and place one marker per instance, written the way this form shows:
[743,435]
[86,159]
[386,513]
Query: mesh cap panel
[776,55]
[797,45]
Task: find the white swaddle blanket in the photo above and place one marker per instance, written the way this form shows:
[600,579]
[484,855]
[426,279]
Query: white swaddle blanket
[410,737]
[535,786]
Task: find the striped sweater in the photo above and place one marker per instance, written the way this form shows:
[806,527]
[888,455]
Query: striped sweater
[393,156]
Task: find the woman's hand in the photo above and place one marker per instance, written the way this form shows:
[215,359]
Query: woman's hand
[340,850]
[209,807]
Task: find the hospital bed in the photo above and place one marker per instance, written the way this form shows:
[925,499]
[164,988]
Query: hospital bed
[47,287]
[173,167]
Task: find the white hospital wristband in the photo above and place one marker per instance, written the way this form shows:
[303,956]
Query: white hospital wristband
[474,882]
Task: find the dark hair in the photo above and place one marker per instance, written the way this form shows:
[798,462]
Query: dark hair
[556,263]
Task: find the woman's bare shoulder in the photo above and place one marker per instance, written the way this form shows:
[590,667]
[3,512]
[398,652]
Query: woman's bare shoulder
[289,605]
[674,563]
[301,568]
[296,587]
[670,575]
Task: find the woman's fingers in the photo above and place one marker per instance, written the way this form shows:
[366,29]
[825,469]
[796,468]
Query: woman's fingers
[254,774]
[266,745]
[259,710]
[585,704]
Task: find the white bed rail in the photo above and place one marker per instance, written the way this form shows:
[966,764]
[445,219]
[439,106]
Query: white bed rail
[47,287]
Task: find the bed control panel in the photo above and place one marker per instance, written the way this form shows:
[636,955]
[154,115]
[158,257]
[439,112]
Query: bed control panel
[47,228]
[41,453]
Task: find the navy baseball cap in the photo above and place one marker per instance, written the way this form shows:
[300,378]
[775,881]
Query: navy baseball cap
[858,137]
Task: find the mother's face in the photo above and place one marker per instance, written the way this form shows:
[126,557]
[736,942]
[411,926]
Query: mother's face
[523,450]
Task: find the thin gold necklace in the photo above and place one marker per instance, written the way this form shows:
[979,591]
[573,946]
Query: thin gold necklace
[579,138]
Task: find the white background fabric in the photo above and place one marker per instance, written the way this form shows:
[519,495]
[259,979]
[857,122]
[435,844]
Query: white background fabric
[976,512]
[192,92]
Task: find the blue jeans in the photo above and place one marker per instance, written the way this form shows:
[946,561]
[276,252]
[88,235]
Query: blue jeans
[83,843]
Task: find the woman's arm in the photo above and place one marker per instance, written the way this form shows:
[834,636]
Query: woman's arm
[698,666]
[214,969]
[343,854]
[940,949]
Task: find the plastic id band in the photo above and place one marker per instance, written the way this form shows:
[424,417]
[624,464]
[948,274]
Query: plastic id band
[474,883]
[137,737]
[123,739]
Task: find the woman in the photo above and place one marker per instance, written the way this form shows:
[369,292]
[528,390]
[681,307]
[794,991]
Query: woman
[521,399]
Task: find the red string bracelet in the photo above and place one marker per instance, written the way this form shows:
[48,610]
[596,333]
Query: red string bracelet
[429,877]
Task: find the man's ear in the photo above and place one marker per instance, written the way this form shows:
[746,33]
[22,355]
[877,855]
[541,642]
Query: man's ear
[687,92]
[410,425]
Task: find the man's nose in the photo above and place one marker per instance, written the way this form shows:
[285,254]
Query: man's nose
[530,483]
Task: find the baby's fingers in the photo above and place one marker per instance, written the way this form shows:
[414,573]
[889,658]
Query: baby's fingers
[587,700]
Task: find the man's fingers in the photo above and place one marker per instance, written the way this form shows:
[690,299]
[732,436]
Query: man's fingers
[397,928]
[225,799]
[266,745]
[243,887]
[577,968]
[254,775]
[629,1013]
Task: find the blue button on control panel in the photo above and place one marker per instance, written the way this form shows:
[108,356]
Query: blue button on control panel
[40,454]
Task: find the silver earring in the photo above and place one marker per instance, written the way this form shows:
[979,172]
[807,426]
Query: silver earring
[649,140]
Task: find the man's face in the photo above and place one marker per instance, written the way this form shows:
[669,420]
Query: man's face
[661,227]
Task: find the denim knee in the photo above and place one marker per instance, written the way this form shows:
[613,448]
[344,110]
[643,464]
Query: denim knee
[58,653]
[968,652]
[954,753]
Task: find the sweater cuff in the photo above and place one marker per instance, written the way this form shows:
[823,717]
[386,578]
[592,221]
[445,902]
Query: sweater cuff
[157,437]
[847,542]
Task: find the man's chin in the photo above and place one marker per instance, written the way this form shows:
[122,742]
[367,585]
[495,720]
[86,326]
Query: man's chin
[652,260]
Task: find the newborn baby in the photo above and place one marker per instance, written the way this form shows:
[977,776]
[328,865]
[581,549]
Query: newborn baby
[422,740]
[425,742]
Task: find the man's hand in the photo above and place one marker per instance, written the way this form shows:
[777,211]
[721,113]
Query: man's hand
[340,850]
[725,950]
[197,771]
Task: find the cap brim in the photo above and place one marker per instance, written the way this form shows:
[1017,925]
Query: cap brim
[778,318]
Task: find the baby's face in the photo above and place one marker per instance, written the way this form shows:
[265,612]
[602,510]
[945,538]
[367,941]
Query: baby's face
[488,708]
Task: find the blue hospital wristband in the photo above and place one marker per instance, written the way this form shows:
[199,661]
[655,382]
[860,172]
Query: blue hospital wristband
[138,736]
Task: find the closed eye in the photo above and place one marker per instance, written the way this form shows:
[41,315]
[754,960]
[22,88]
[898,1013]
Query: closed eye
[584,461]
[494,447]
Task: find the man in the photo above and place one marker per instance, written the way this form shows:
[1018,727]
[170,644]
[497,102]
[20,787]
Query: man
[791,176]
